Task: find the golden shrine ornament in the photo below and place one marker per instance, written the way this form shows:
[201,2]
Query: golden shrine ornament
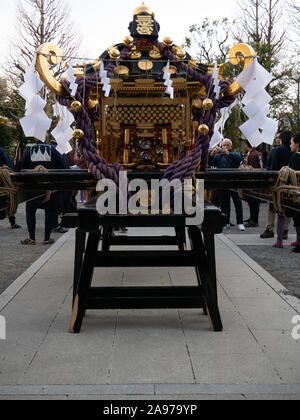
[203,129]
[76,106]
[207,104]
[145,65]
[78,134]
[121,71]
[180,54]
[114,54]
[155,54]
[168,41]
[128,41]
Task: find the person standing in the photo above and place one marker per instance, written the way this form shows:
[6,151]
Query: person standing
[293,164]
[45,155]
[6,161]
[279,157]
[254,159]
[227,159]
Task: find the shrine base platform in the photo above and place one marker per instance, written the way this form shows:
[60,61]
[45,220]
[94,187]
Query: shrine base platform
[149,354]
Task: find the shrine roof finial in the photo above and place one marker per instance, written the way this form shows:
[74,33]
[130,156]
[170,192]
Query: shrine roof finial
[143,9]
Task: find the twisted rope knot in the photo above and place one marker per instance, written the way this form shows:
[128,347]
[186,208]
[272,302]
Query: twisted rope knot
[286,182]
[7,188]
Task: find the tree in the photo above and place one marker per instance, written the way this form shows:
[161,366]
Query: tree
[259,28]
[294,13]
[38,22]
[210,40]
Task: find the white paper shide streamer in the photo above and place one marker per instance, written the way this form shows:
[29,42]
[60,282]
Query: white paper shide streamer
[259,128]
[104,80]
[35,123]
[63,132]
[168,82]
[72,79]
[216,81]
[220,125]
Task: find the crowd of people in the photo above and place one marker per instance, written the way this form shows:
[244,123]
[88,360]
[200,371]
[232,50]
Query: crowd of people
[46,156]
[286,152]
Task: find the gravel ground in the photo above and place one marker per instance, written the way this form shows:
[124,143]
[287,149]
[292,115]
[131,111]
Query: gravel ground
[15,258]
[282,264]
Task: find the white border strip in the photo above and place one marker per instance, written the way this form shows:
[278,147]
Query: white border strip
[24,278]
[263,274]
[150,389]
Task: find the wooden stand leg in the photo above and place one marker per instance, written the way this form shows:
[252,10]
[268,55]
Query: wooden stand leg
[80,238]
[206,278]
[84,284]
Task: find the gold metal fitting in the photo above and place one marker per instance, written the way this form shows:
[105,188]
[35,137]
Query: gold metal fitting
[78,134]
[143,9]
[145,65]
[197,103]
[128,41]
[168,41]
[76,106]
[203,129]
[207,104]
[114,54]
[180,54]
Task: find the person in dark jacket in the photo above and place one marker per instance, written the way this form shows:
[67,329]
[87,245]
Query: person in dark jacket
[279,157]
[227,159]
[6,161]
[293,164]
[254,159]
[45,155]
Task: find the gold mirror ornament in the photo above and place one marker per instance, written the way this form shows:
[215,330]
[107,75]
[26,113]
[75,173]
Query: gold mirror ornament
[172,70]
[239,54]
[145,65]
[121,71]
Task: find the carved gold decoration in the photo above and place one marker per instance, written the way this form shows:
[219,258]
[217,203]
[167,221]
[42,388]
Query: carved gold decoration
[78,134]
[239,54]
[194,64]
[76,106]
[135,54]
[155,55]
[96,65]
[172,70]
[168,41]
[197,103]
[49,53]
[121,71]
[180,54]
[203,129]
[207,104]
[143,9]
[128,41]
[114,54]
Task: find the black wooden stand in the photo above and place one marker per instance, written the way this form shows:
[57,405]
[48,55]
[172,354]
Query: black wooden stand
[101,229]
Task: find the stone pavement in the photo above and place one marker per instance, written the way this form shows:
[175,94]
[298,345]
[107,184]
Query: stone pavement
[149,354]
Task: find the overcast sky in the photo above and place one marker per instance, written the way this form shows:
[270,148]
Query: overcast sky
[103,23]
